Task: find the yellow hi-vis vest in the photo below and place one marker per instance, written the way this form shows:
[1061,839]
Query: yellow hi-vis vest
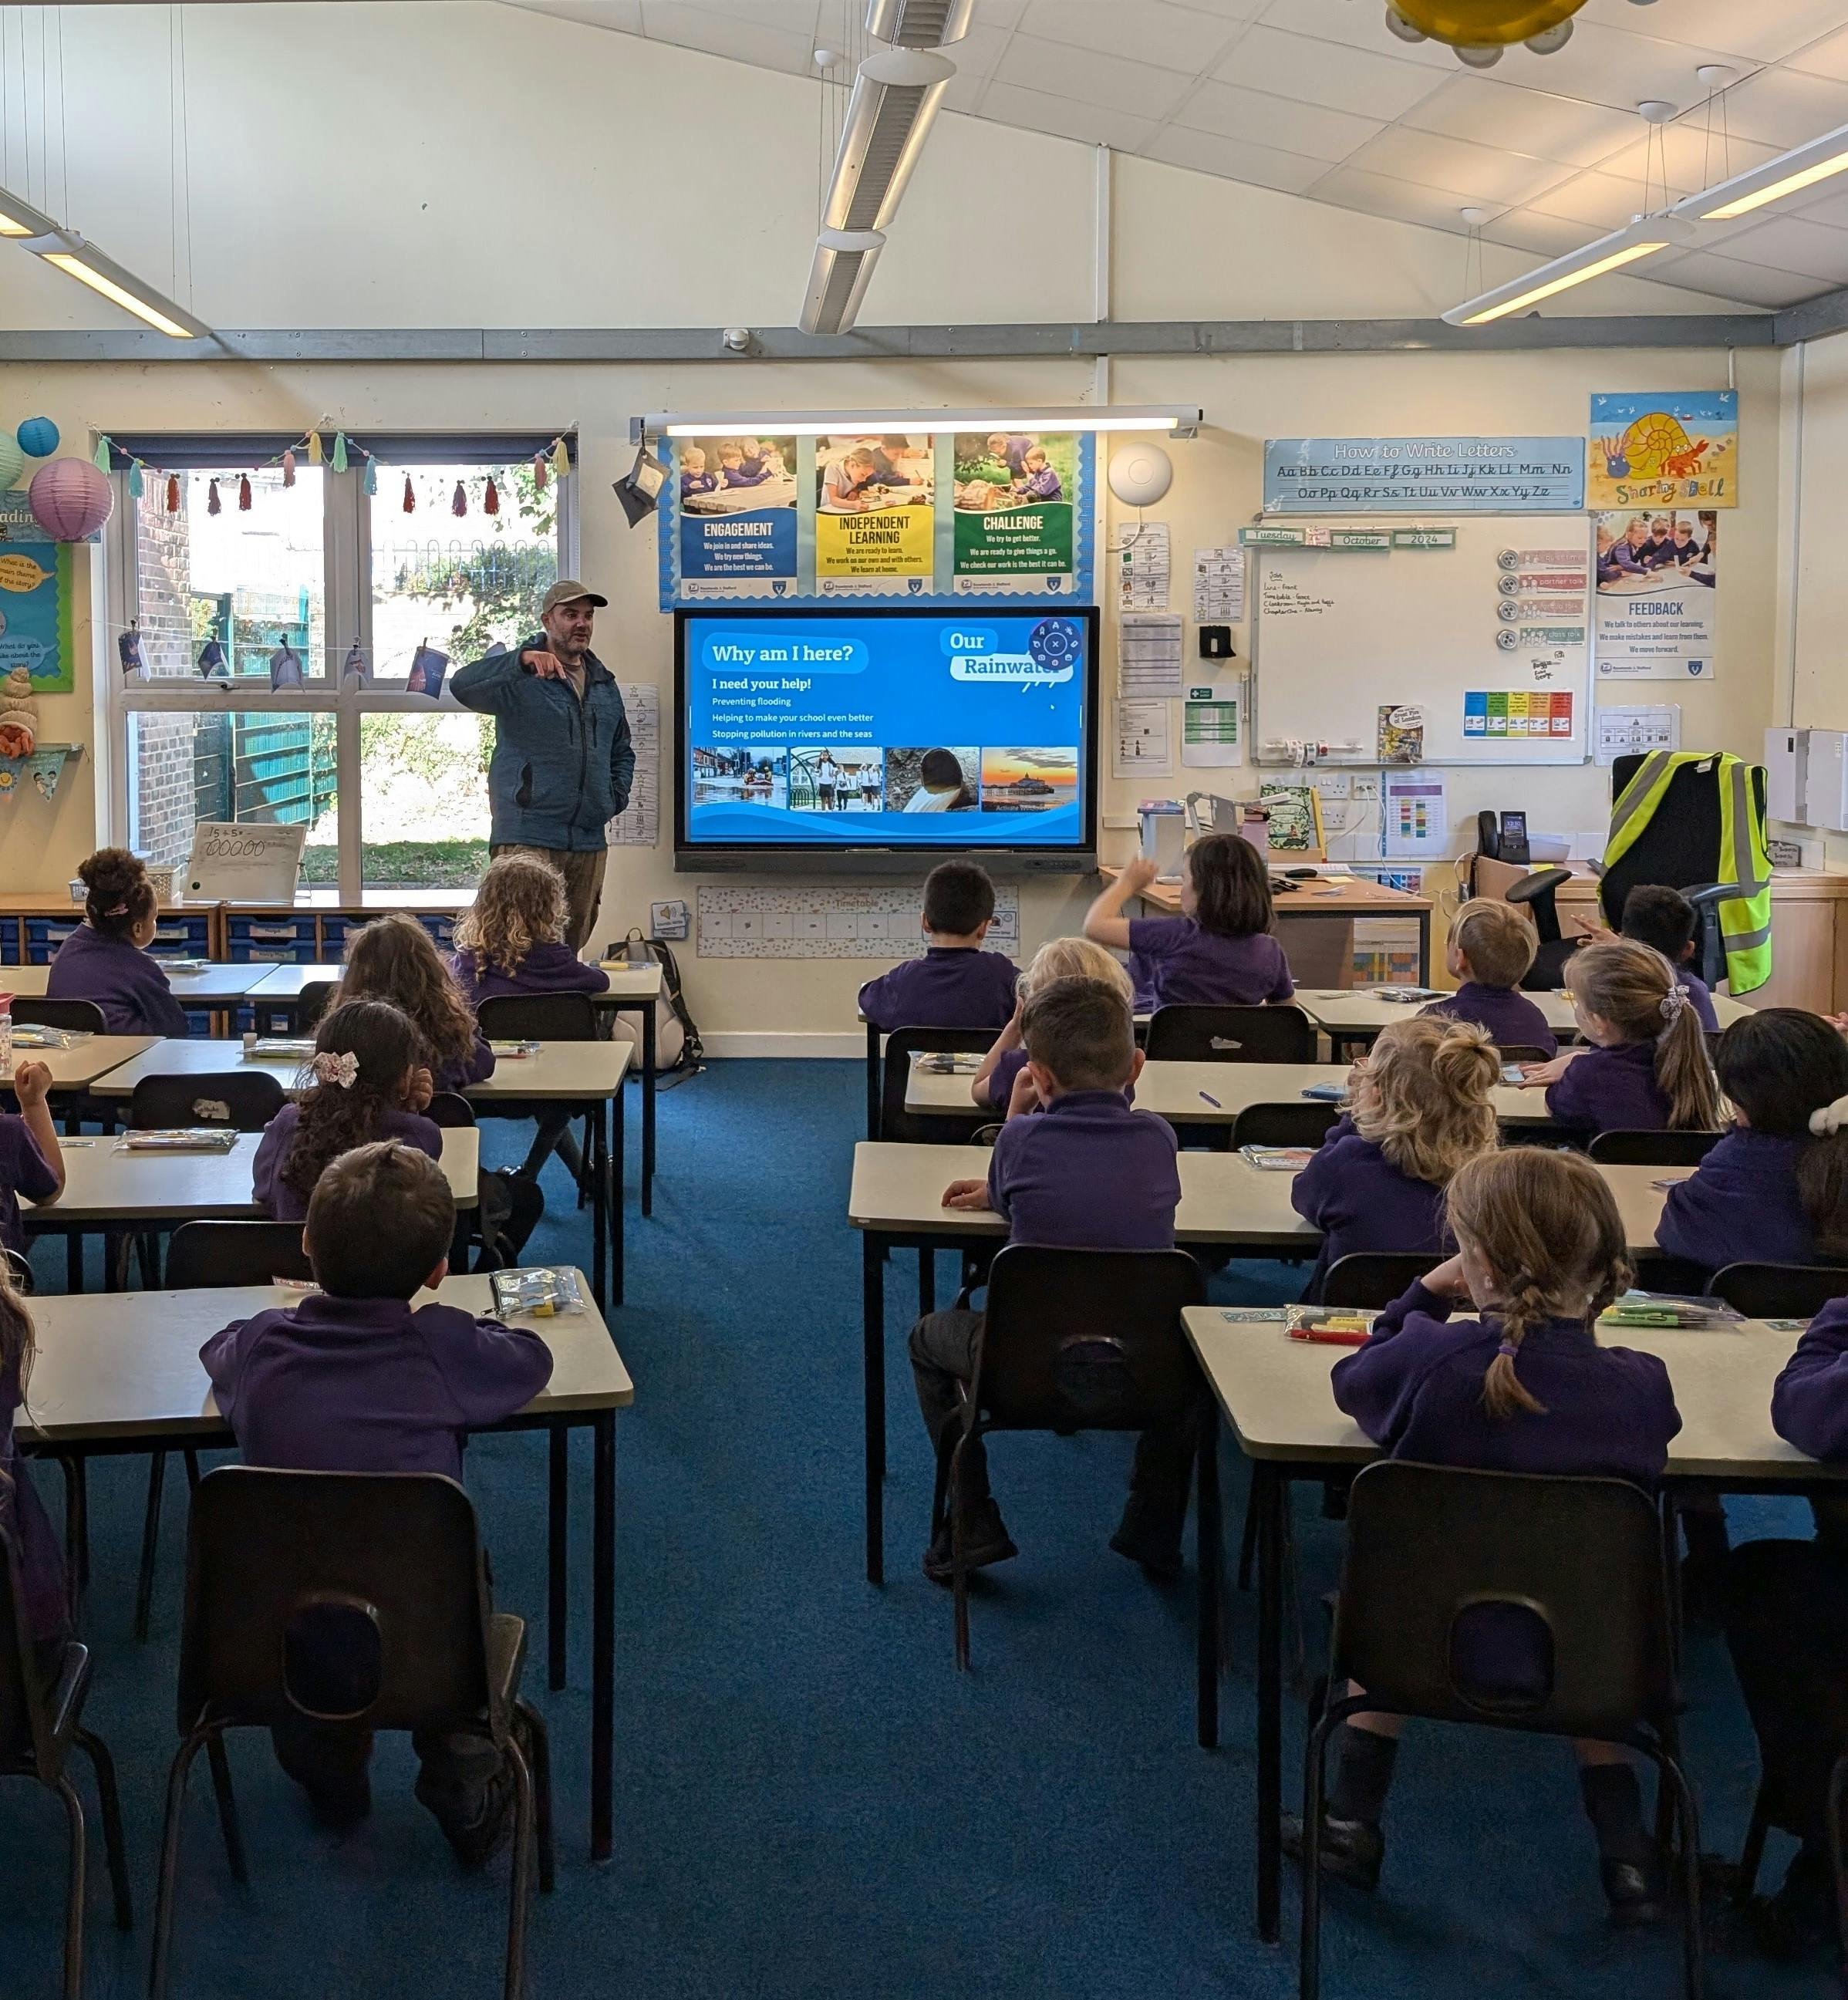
[1745,918]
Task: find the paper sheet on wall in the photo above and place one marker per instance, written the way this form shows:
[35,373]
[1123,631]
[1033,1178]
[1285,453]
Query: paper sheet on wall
[1148,653]
[1143,565]
[1139,743]
[1210,732]
[1416,814]
[1218,585]
[639,823]
[1625,732]
[855,920]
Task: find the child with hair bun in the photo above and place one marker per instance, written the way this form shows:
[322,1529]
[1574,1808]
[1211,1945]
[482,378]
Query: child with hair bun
[105,959]
[1523,1387]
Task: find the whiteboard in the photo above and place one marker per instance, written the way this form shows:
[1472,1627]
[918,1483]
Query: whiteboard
[1339,634]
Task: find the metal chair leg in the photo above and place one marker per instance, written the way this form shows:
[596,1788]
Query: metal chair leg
[1315,1778]
[1674,1781]
[521,1893]
[1209,1533]
[151,1544]
[1838,1864]
[1248,1544]
[228,1807]
[1752,1854]
[166,1882]
[541,1762]
[959,1575]
[115,1850]
[74,1890]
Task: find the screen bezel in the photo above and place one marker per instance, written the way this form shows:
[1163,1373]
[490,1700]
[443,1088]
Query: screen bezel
[874,857]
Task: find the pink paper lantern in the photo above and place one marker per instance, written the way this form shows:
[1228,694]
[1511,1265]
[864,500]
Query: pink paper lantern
[70,499]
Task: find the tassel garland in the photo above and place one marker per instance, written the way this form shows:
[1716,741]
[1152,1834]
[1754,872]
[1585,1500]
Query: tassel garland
[137,486]
[459,506]
[491,500]
[410,498]
[339,451]
[560,460]
[211,499]
[371,482]
[243,495]
[314,447]
[288,468]
[173,493]
[101,460]
[538,472]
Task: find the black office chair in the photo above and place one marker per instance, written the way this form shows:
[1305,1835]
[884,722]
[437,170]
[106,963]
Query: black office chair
[1651,1149]
[280,1563]
[1231,1034]
[1076,1340]
[1369,1279]
[79,1016]
[956,1128]
[244,1099]
[1305,1124]
[1780,1291]
[1538,892]
[1430,1549]
[311,1004]
[40,1718]
[218,1255]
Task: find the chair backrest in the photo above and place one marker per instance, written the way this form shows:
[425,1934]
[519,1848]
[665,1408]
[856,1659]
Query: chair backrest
[1780,1291]
[1652,1149]
[1231,1034]
[246,1099]
[311,1004]
[1087,1339]
[352,1596]
[538,1017]
[1453,1581]
[1521,1052]
[450,1110]
[1374,1278]
[937,1127]
[27,1740]
[207,1256]
[1539,894]
[35,1011]
[1304,1124]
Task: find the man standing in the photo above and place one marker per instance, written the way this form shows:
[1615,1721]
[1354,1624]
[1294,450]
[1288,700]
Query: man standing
[562,762]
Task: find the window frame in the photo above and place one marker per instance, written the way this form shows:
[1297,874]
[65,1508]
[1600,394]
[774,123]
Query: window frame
[346,585]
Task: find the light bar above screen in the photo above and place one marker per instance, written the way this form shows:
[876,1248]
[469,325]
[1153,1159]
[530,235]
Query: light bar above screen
[880,741]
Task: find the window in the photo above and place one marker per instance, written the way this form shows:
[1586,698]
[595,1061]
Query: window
[249,619]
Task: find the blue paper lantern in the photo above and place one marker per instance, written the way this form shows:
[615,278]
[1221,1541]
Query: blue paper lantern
[38,437]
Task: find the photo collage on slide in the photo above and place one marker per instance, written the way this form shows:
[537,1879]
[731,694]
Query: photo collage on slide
[908,779]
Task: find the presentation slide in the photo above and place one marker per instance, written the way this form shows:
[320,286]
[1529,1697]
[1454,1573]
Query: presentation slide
[895,729]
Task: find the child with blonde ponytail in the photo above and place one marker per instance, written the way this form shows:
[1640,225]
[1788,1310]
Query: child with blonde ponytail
[1002,1078]
[1523,1387]
[1645,1067]
[1421,1108]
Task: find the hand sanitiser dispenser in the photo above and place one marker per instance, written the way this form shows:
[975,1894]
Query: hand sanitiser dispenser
[1164,836]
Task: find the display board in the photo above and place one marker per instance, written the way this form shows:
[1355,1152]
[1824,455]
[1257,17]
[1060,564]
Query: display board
[1465,642]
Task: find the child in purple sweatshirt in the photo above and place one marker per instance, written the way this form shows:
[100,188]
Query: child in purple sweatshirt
[395,958]
[1523,1387]
[1490,947]
[356,1379]
[105,959]
[513,939]
[956,984]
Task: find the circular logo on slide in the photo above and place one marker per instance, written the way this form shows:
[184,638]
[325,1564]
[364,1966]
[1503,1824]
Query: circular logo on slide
[1056,645]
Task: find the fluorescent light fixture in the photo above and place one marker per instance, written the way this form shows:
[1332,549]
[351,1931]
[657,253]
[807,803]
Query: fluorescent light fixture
[1801,167]
[1178,420]
[1643,237]
[888,117]
[68,252]
[20,219]
[838,275]
[918,24]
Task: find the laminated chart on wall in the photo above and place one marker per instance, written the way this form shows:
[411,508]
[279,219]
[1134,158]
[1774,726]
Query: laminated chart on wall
[35,615]
[1143,561]
[1414,808]
[867,921]
[1149,654]
[1209,733]
[1219,586]
[1501,715]
[1141,745]
[1635,732]
[638,824]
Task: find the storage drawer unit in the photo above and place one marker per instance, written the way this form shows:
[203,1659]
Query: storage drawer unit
[273,940]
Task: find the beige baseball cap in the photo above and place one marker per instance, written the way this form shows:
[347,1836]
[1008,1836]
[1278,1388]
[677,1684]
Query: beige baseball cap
[567,590]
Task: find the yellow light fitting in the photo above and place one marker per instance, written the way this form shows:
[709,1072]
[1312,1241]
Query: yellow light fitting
[67,252]
[1527,292]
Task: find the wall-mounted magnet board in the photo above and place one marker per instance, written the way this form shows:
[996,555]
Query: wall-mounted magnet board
[1485,627]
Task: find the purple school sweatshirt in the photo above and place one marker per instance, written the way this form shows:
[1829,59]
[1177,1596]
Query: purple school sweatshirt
[1809,1400]
[1359,1200]
[1415,1389]
[369,1385]
[1008,1065]
[951,986]
[1511,1018]
[1087,1173]
[546,968]
[476,1066]
[128,985]
[1741,1205]
[24,1170]
[22,1513]
[1611,1090]
[1175,963]
[283,1202]
[1696,990]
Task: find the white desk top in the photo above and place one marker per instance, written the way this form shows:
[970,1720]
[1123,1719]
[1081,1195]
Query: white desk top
[215,986]
[110,1365]
[1361,1007]
[83,1062]
[898,1188]
[1276,1395]
[630,985]
[191,1055]
[1178,1091]
[102,1185]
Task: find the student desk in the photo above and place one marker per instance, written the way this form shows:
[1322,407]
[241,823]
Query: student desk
[1275,1394]
[75,1068]
[1339,901]
[896,1202]
[1357,1014]
[632,989]
[1178,1091]
[213,988]
[109,1381]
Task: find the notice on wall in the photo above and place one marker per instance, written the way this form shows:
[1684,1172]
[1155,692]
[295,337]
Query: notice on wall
[1665,448]
[862,921]
[1477,475]
[1635,732]
[1515,712]
[1219,586]
[1209,734]
[1143,566]
[1148,653]
[245,861]
[1656,609]
[874,519]
[1139,744]
[736,500]
[1014,512]
[35,615]
[1416,813]
[639,823]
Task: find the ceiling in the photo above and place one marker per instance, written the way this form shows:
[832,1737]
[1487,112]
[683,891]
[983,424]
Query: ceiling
[1317,98]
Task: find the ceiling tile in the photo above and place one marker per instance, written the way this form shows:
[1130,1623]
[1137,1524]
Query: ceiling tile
[621,17]
[1091,78]
[1528,229]
[1726,278]
[1608,66]
[967,89]
[1786,108]
[1765,31]
[979,51]
[1493,113]
[1483,173]
[1355,27]
[725,35]
[1226,10]
[1601,201]
[1148,31]
[1787,243]
[1001,14]
[1827,202]
[1263,120]
[1010,105]
[793,17]
[1209,153]
[1694,156]
[1315,72]
[1826,57]
[1403,201]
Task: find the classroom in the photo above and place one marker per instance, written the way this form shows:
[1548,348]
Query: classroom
[720,716]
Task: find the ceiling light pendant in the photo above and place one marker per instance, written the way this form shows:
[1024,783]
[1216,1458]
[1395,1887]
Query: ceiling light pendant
[1641,239]
[1790,173]
[1478,30]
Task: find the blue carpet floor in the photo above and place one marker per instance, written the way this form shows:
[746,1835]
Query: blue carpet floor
[810,1799]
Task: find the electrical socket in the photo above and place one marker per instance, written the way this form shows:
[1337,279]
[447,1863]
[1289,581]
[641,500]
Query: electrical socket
[1367,789]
